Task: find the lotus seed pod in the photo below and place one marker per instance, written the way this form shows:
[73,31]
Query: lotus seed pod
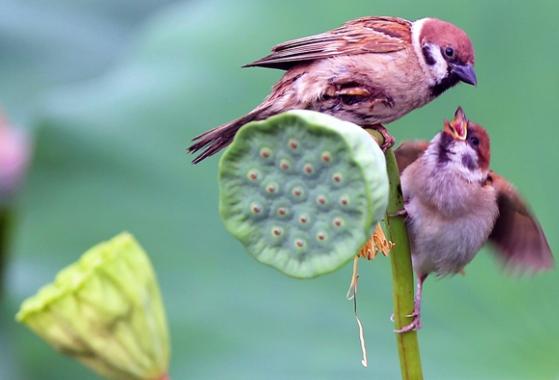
[322,186]
[105,310]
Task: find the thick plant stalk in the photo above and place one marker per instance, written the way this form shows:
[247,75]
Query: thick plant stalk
[4,237]
[402,272]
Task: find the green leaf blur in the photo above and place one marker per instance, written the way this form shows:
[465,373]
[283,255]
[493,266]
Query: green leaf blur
[114,91]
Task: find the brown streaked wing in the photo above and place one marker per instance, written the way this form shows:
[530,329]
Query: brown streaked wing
[408,152]
[517,237]
[360,36]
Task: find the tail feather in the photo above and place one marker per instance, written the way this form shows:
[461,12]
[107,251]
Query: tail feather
[216,139]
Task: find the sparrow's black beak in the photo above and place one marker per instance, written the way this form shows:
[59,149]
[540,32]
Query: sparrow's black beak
[466,73]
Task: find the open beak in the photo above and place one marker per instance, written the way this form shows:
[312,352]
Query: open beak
[466,73]
[458,127]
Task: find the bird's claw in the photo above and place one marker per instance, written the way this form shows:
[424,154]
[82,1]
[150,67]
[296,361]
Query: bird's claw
[414,325]
[389,141]
[415,314]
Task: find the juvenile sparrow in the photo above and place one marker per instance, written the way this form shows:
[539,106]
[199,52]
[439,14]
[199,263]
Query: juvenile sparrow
[370,71]
[455,204]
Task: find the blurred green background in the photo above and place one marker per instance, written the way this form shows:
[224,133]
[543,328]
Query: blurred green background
[114,91]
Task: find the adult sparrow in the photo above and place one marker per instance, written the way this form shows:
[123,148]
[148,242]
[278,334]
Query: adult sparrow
[370,71]
[454,204]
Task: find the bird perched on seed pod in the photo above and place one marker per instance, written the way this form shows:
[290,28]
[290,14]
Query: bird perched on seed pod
[454,204]
[370,71]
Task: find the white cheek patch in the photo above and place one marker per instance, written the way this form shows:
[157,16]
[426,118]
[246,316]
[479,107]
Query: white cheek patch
[436,72]
[456,163]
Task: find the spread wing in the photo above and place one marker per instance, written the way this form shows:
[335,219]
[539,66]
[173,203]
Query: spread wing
[517,236]
[360,36]
[408,152]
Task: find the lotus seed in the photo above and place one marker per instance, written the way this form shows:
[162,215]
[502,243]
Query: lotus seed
[321,200]
[272,188]
[265,152]
[284,165]
[253,175]
[282,211]
[338,222]
[293,144]
[344,201]
[308,169]
[255,208]
[297,191]
[337,178]
[277,231]
[321,236]
[326,157]
[303,219]
[299,243]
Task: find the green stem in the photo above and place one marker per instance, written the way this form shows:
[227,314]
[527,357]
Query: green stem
[4,241]
[402,276]
[402,272]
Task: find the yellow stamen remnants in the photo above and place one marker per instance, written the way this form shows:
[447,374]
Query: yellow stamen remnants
[377,243]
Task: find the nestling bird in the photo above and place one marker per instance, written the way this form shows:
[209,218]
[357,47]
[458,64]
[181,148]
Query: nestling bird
[454,204]
[369,71]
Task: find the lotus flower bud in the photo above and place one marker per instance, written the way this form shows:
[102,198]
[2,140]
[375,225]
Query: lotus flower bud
[105,310]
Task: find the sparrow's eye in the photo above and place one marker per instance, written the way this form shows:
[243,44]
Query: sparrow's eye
[474,141]
[449,52]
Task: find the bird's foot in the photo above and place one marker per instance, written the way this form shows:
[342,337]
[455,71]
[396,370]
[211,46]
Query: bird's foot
[388,139]
[414,325]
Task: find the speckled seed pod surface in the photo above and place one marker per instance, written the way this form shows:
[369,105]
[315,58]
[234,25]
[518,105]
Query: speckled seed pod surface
[302,191]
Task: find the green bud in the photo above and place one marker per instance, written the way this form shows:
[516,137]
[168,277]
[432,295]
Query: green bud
[105,310]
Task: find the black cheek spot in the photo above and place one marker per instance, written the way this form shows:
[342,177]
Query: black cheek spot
[449,81]
[443,152]
[469,162]
[428,56]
